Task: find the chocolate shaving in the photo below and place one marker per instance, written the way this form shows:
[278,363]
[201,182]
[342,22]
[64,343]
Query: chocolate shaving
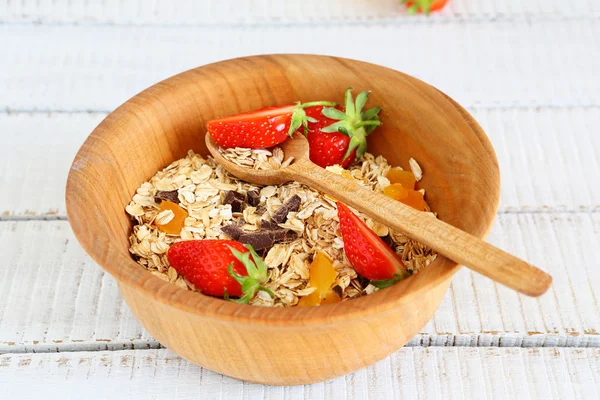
[233,231]
[266,238]
[258,240]
[338,290]
[284,236]
[269,226]
[387,239]
[172,196]
[292,204]
[253,198]
[236,199]
[260,210]
[364,282]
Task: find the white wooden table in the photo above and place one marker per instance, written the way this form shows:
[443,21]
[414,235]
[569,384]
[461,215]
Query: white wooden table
[529,71]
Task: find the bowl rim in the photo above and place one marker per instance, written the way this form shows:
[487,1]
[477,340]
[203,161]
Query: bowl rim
[201,305]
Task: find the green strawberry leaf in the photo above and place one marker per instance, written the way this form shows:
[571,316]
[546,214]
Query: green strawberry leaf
[370,114]
[361,100]
[335,127]
[350,110]
[334,113]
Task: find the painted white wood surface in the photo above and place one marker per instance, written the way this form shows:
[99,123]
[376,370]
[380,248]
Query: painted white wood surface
[527,70]
[274,11]
[549,158]
[495,64]
[56,299]
[411,373]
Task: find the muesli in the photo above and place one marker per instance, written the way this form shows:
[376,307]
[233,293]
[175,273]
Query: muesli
[200,228]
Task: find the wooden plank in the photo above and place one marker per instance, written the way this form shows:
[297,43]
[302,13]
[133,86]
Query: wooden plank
[421,373]
[35,159]
[484,64]
[548,158]
[274,11]
[56,299]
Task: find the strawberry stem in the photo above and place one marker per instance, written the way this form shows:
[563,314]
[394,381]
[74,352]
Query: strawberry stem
[257,274]
[419,5]
[299,117]
[354,122]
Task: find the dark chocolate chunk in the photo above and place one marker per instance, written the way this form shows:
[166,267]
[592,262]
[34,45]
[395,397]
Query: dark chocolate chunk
[172,196]
[233,231]
[284,236]
[364,282]
[258,240]
[338,290]
[388,240]
[292,204]
[236,199]
[260,210]
[269,226]
[253,198]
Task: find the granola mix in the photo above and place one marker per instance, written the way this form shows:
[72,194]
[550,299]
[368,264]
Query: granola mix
[205,191]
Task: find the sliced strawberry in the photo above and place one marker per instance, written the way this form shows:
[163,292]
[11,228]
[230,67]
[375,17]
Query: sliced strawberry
[424,6]
[262,128]
[326,148]
[220,267]
[367,252]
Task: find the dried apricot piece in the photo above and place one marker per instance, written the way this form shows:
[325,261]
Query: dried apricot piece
[411,198]
[331,298]
[415,200]
[405,178]
[322,277]
[174,226]
[396,191]
[313,299]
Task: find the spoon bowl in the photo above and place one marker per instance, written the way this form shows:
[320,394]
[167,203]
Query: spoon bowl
[296,147]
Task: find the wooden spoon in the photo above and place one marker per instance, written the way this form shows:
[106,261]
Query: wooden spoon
[447,240]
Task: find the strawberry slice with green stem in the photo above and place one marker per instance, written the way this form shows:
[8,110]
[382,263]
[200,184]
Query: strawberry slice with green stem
[220,268]
[262,128]
[354,122]
[424,6]
[326,148]
[370,256]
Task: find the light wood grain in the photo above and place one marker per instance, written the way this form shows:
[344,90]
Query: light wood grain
[88,313]
[277,12]
[484,64]
[411,373]
[529,143]
[160,124]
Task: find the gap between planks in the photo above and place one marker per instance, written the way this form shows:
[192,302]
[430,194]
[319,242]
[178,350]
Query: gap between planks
[379,21]
[60,217]
[471,107]
[448,373]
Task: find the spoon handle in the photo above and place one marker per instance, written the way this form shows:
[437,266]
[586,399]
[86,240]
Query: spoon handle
[447,240]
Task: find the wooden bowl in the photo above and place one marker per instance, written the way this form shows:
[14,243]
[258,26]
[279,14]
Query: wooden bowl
[280,346]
